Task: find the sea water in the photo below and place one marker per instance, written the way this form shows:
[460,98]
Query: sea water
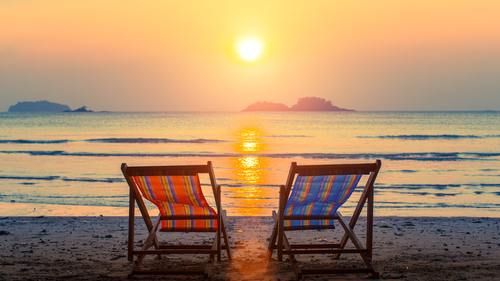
[433,163]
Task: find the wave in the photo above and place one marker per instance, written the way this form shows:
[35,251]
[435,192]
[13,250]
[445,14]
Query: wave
[102,154]
[153,140]
[21,141]
[414,156]
[111,140]
[489,184]
[112,201]
[405,205]
[288,136]
[105,180]
[73,197]
[430,137]
[45,178]
[400,171]
[439,194]
[435,186]
[122,201]
[52,178]
[417,186]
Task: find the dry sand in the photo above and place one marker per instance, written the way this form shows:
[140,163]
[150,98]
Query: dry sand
[94,248]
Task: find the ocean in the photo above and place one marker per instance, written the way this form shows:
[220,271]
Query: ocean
[433,163]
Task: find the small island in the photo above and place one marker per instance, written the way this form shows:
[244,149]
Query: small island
[267,106]
[38,106]
[80,109]
[44,106]
[303,104]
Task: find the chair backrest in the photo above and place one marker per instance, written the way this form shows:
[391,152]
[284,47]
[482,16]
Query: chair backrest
[326,187]
[170,184]
[172,189]
[334,189]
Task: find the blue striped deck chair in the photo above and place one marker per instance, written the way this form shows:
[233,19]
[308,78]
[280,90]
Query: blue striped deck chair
[311,200]
[176,192]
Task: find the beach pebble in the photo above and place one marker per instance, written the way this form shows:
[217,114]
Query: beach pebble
[408,223]
[117,257]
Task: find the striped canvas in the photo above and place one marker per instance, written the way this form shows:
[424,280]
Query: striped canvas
[177,195]
[318,195]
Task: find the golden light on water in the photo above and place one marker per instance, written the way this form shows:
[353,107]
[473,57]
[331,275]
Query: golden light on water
[249,167]
[250,141]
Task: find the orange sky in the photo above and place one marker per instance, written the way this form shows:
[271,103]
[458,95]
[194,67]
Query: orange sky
[178,55]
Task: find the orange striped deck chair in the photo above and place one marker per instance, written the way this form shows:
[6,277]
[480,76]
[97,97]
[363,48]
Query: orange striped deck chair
[311,199]
[176,192]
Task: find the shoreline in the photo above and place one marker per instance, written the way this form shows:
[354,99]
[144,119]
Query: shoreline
[18,209]
[94,248]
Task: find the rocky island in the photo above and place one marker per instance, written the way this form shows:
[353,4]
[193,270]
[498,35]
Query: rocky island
[38,106]
[80,109]
[303,104]
[44,106]
[267,106]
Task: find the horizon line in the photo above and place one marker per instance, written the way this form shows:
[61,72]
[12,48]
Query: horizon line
[264,111]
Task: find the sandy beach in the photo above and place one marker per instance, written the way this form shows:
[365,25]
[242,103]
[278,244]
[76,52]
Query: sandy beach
[94,248]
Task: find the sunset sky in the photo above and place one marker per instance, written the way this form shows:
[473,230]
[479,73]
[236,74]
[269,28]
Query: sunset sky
[180,55]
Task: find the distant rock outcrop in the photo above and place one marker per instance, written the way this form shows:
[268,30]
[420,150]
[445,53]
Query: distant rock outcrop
[81,109]
[44,106]
[38,106]
[303,104]
[316,104]
[267,106]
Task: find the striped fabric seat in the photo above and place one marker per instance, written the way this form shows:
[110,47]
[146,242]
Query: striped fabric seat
[318,196]
[180,196]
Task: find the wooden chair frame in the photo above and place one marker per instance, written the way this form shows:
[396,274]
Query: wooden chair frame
[152,241]
[279,240]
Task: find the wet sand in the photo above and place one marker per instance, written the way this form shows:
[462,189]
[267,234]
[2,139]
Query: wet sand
[94,248]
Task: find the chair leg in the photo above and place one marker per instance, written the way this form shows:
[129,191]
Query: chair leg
[295,264]
[156,243]
[280,242]
[288,246]
[345,237]
[272,238]
[219,258]
[150,241]
[357,243]
[214,247]
[226,239]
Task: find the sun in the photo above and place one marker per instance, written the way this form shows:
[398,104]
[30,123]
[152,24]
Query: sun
[249,49]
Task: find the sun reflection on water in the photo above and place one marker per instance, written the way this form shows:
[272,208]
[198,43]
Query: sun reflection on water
[249,167]
[250,141]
